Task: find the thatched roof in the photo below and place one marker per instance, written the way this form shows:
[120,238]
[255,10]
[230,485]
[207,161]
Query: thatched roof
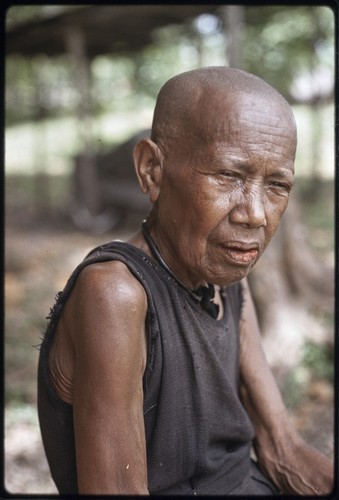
[106,28]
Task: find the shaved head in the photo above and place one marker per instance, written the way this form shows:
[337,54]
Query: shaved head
[218,168]
[199,105]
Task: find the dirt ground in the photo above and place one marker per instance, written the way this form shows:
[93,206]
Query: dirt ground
[39,260]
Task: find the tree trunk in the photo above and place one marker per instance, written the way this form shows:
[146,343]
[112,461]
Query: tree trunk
[293,291]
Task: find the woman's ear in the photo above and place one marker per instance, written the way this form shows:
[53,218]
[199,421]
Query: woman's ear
[148,166]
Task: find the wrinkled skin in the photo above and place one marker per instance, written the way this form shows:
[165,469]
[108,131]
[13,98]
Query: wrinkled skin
[232,192]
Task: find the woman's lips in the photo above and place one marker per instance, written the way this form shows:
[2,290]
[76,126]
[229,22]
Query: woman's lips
[242,254]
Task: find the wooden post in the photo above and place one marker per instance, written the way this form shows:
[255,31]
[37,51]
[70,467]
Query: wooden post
[232,18]
[87,177]
[41,184]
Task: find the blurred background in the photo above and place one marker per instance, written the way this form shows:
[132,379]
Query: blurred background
[81,83]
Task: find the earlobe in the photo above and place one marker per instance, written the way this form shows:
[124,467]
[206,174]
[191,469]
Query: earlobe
[148,166]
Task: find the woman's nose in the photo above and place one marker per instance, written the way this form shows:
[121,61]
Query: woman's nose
[250,208]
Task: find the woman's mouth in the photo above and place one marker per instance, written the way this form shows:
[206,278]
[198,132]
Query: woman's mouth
[242,253]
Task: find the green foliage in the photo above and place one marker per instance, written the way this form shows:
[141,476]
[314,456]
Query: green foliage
[317,364]
[36,89]
[283,42]
[280,44]
[319,358]
[293,387]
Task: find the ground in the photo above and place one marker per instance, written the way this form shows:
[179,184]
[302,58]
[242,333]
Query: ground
[39,258]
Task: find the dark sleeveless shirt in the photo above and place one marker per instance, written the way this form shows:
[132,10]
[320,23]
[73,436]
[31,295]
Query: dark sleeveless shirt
[198,434]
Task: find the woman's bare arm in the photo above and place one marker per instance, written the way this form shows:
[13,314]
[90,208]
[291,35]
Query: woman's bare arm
[106,316]
[294,466]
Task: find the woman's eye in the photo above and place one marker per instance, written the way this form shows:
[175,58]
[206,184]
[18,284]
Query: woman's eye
[228,175]
[282,187]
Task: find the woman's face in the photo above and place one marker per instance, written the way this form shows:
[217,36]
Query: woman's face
[216,214]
